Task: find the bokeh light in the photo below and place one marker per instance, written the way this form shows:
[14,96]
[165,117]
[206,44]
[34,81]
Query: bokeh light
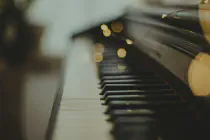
[98,57]
[107,33]
[129,42]
[104,27]
[99,47]
[117,27]
[121,52]
[204,1]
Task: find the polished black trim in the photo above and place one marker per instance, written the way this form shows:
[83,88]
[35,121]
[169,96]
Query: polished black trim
[56,106]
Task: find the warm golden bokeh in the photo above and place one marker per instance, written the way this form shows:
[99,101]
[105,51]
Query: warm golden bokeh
[129,42]
[99,48]
[205,2]
[117,27]
[199,75]
[121,52]
[98,57]
[107,33]
[104,27]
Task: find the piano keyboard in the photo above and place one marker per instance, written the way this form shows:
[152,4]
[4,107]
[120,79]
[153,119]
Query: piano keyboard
[141,106]
[132,102]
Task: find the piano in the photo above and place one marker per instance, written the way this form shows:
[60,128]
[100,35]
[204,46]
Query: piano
[143,76]
[141,68]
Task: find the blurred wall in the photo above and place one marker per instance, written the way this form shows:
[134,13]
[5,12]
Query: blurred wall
[63,17]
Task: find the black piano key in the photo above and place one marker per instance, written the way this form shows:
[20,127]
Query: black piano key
[132,81]
[116,68]
[135,132]
[164,113]
[107,61]
[130,113]
[110,73]
[123,121]
[133,120]
[133,87]
[137,92]
[110,66]
[132,76]
[169,97]
[113,78]
[113,72]
[143,105]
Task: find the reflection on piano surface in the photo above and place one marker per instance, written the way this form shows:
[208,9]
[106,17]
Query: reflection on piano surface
[151,79]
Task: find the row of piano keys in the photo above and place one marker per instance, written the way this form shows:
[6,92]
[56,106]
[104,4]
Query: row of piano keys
[143,106]
[139,102]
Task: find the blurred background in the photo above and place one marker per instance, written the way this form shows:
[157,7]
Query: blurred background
[64,17]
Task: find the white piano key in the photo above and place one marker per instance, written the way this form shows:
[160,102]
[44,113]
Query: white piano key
[81,115]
